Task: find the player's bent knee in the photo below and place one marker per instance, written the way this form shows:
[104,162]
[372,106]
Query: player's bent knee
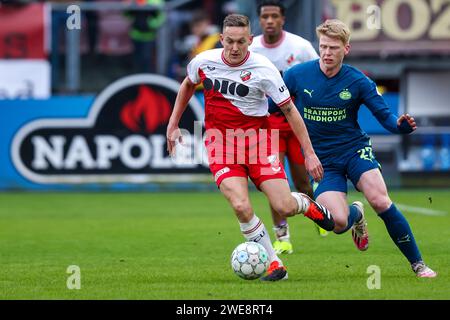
[285,208]
[380,204]
[242,209]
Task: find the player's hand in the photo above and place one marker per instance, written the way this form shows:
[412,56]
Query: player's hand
[314,167]
[173,135]
[410,120]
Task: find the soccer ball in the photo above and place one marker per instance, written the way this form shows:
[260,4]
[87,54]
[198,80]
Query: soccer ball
[249,260]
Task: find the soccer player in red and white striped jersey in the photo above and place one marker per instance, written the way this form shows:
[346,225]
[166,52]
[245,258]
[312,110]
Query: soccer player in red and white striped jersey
[236,83]
[284,50]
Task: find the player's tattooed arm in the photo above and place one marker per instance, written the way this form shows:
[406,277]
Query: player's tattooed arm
[312,163]
[287,108]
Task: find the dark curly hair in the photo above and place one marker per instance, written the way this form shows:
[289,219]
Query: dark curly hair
[273,3]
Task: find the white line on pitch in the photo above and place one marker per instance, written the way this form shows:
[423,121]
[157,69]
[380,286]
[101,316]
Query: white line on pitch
[419,210]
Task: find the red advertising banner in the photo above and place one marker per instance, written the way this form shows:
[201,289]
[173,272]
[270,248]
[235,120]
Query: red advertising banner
[394,26]
[22,31]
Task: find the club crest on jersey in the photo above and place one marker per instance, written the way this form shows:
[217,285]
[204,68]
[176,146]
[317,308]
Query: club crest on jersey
[345,94]
[245,75]
[290,59]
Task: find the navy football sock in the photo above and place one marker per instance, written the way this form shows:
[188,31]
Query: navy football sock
[400,232]
[353,216]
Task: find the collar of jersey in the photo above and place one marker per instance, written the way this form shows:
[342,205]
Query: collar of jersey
[336,76]
[235,65]
[273,45]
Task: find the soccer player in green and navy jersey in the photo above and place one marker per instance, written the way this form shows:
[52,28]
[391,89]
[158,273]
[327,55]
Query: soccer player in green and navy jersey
[328,95]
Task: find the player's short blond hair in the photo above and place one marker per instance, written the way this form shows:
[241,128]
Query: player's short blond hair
[334,28]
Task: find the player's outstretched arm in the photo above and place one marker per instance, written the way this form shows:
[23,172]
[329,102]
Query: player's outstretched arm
[312,163]
[185,93]
[404,124]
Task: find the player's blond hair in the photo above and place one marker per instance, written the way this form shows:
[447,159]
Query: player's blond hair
[334,28]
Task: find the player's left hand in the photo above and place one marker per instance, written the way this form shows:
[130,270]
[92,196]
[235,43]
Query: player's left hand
[410,120]
[314,167]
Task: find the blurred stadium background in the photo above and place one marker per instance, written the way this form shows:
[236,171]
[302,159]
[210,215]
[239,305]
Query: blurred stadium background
[86,90]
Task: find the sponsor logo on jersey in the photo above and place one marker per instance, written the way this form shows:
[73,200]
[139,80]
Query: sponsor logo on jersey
[345,94]
[323,114]
[226,87]
[245,75]
[308,92]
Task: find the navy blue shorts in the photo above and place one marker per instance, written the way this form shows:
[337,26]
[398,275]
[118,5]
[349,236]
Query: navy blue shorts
[350,165]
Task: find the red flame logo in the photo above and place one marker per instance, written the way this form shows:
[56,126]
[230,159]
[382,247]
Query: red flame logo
[147,112]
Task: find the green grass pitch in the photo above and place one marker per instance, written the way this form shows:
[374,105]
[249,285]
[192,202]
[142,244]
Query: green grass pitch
[178,246]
